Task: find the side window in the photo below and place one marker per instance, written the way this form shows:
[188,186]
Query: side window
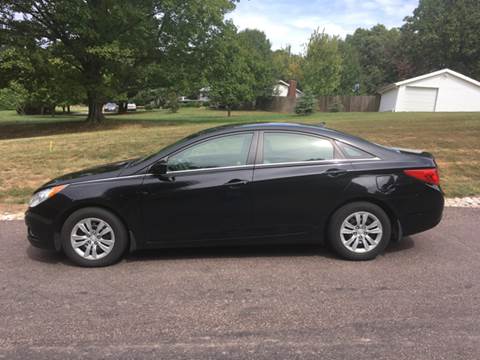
[352,152]
[231,150]
[288,147]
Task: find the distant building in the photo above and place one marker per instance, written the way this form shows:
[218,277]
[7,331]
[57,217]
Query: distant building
[203,94]
[282,88]
[443,90]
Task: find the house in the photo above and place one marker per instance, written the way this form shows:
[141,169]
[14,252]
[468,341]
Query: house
[203,94]
[281,88]
[443,90]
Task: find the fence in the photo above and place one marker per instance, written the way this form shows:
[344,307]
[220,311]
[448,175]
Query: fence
[349,103]
[277,104]
[324,103]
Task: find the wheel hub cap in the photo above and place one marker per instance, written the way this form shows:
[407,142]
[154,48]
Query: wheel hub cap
[361,232]
[92,238]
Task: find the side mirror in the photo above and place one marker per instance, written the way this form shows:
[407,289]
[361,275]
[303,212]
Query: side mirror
[159,168]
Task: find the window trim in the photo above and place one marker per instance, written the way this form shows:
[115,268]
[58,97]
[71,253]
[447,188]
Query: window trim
[250,155]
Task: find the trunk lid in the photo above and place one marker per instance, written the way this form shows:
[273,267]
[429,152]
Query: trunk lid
[413,152]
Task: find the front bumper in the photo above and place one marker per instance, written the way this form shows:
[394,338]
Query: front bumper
[40,232]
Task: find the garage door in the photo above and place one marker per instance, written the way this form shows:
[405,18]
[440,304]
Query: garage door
[420,99]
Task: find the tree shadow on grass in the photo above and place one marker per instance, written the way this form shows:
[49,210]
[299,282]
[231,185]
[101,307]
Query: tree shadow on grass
[34,126]
[37,129]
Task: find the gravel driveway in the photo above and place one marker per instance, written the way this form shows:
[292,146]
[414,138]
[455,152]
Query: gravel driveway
[421,300]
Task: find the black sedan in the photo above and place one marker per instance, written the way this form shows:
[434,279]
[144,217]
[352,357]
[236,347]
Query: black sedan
[242,184]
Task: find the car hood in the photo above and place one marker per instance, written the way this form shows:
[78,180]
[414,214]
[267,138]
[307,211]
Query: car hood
[95,173]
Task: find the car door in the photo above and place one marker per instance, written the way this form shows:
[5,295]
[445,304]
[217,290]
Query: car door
[298,179]
[205,195]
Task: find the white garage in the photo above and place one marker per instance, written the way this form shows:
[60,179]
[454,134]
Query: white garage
[443,90]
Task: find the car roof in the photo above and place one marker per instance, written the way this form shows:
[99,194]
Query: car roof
[259,126]
[319,129]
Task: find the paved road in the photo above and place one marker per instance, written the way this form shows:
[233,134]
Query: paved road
[421,300]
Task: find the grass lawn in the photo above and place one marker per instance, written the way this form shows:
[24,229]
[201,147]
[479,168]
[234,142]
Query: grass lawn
[35,149]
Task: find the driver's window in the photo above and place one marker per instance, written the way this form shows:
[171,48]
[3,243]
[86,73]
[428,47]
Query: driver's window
[230,150]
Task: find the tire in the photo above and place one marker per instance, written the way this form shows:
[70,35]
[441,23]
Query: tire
[94,249]
[371,239]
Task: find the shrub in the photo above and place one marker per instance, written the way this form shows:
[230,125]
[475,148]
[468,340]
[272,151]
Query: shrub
[305,105]
[172,102]
[336,107]
[190,104]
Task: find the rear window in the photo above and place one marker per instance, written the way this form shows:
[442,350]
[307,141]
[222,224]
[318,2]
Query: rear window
[290,147]
[352,152]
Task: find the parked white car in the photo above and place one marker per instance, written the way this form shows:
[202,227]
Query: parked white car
[131,107]
[110,107]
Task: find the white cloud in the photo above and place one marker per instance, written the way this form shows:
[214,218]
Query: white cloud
[290,22]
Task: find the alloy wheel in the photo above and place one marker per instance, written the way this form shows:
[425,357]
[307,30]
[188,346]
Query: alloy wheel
[92,238]
[361,232]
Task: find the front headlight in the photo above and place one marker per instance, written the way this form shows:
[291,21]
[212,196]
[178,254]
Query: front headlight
[45,194]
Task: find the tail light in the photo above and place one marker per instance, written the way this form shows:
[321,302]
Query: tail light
[429,176]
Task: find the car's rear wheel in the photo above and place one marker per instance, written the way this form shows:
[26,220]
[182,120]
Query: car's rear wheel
[359,231]
[94,237]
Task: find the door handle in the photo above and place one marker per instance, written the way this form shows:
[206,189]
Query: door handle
[236,183]
[335,172]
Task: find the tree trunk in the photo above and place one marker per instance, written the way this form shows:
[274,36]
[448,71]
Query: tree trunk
[229,111]
[95,114]
[63,109]
[68,109]
[122,107]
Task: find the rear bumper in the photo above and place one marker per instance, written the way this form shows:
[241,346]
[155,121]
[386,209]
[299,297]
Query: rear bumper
[429,210]
[418,222]
[40,232]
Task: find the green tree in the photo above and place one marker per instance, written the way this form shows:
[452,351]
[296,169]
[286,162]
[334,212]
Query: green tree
[377,51]
[258,52]
[351,72]
[288,66]
[11,97]
[104,41]
[40,80]
[229,76]
[322,64]
[183,69]
[444,33]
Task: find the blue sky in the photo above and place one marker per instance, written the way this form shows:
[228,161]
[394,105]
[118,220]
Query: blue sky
[291,22]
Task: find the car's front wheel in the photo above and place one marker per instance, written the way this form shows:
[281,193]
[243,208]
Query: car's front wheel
[94,237]
[359,231]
